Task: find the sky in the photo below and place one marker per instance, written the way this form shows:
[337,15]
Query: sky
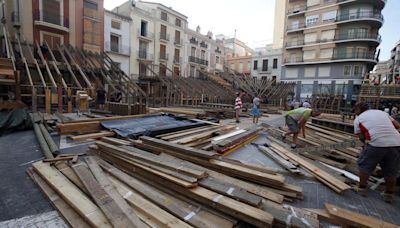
[253,20]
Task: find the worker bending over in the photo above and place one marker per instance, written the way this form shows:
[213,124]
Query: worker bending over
[296,119]
[377,130]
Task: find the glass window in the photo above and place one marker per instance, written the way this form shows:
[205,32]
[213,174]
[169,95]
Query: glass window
[358,71]
[347,71]
[275,64]
[89,5]
[265,65]
[313,19]
[115,24]
[255,67]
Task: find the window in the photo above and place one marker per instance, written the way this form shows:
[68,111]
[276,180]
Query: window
[265,65]
[240,67]
[291,73]
[324,71]
[177,37]
[217,59]
[327,35]
[349,52]
[326,53]
[358,71]
[347,71]
[177,55]
[164,16]
[361,52]
[295,24]
[255,67]
[52,11]
[309,72]
[310,38]
[313,19]
[275,64]
[114,40]
[143,28]
[162,52]
[115,24]
[309,54]
[203,54]
[163,32]
[192,72]
[193,52]
[312,2]
[89,5]
[178,22]
[329,16]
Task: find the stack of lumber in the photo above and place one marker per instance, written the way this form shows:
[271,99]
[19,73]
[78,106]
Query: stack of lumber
[347,218]
[327,146]
[123,186]
[200,137]
[225,145]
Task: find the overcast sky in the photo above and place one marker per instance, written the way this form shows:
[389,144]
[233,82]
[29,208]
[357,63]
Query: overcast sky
[254,19]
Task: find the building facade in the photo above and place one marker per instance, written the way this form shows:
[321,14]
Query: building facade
[79,23]
[157,38]
[279,20]
[198,53]
[117,38]
[237,54]
[267,63]
[394,64]
[329,43]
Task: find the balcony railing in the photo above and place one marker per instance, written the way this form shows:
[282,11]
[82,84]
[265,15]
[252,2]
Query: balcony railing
[203,45]
[115,47]
[198,60]
[194,41]
[360,15]
[339,18]
[336,56]
[297,9]
[143,55]
[338,37]
[178,41]
[145,34]
[164,36]
[163,56]
[51,18]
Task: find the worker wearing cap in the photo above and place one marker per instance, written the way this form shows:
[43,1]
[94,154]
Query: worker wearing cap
[296,119]
[377,130]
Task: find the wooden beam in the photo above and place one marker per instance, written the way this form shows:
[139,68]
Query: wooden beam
[93,135]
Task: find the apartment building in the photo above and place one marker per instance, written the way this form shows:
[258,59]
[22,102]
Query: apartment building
[198,53]
[279,21]
[394,64]
[331,42]
[117,39]
[267,63]
[79,23]
[217,55]
[237,54]
[157,38]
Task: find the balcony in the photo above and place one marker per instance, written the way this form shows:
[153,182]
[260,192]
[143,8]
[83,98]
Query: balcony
[296,27]
[144,35]
[218,51]
[178,42]
[164,37]
[177,60]
[194,41]
[264,71]
[203,45]
[297,10]
[145,56]
[198,60]
[116,48]
[51,20]
[339,38]
[163,56]
[336,57]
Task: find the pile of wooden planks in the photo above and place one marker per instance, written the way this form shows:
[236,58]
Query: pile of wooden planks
[121,185]
[347,218]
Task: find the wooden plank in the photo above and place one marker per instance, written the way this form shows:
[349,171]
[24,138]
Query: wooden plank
[187,133]
[340,136]
[230,190]
[321,175]
[72,195]
[137,168]
[195,215]
[144,206]
[70,174]
[322,159]
[65,210]
[115,141]
[351,218]
[179,148]
[113,118]
[282,162]
[83,127]
[321,213]
[107,204]
[106,184]
[93,135]
[135,153]
[181,131]
[201,136]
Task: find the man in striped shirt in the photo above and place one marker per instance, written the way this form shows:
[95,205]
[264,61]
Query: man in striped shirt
[238,105]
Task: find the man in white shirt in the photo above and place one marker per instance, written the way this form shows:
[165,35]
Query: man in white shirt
[306,104]
[382,146]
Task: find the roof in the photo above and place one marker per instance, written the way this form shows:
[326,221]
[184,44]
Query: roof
[123,17]
[166,8]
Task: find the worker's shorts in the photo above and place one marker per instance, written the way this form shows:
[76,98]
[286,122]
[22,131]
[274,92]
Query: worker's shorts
[292,124]
[387,157]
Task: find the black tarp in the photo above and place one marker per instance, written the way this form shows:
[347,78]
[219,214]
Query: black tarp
[14,120]
[150,125]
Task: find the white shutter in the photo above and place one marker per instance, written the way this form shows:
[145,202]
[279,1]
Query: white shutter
[324,71]
[291,73]
[326,53]
[309,55]
[328,35]
[310,38]
[309,72]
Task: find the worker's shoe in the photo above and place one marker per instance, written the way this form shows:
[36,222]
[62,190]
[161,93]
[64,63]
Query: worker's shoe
[293,146]
[388,197]
[283,136]
[361,191]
